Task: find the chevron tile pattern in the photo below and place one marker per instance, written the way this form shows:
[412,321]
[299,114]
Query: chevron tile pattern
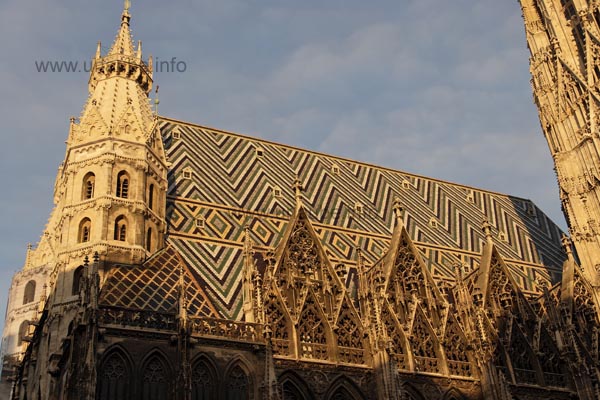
[220,182]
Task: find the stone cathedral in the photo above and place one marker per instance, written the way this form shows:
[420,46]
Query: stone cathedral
[183,262]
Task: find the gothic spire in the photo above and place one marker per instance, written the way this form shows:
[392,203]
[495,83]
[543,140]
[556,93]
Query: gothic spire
[123,43]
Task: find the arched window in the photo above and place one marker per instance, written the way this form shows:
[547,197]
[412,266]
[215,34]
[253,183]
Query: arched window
[293,387]
[123,185]
[149,239]
[89,182]
[237,384]
[85,230]
[203,380]
[77,275]
[29,293]
[151,197]
[156,379]
[114,378]
[121,229]
[23,331]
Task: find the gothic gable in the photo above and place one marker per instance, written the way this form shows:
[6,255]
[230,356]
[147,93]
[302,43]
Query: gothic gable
[498,288]
[302,264]
[408,279]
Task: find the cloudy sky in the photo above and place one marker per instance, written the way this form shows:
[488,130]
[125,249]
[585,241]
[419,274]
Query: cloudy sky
[434,87]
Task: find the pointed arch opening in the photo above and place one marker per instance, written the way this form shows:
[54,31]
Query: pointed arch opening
[411,393]
[522,358]
[312,331]
[553,367]
[293,387]
[88,186]
[238,383]
[29,293]
[349,336]
[424,345]
[114,376]
[120,233]
[398,350]
[23,332]
[122,189]
[456,350]
[204,379]
[77,278]
[280,325]
[343,389]
[453,394]
[156,378]
[85,230]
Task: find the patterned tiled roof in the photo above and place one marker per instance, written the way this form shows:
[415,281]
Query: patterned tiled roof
[155,286]
[220,182]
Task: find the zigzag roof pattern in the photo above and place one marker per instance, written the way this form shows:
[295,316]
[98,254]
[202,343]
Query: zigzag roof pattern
[220,182]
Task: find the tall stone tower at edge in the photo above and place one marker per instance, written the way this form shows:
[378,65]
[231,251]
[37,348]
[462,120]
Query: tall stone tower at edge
[109,195]
[563,37]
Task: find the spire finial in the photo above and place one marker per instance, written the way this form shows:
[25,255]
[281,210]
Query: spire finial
[398,210]
[298,190]
[125,17]
[487,230]
[566,243]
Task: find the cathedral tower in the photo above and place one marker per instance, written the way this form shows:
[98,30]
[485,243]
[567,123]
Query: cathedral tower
[110,190]
[564,40]
[109,195]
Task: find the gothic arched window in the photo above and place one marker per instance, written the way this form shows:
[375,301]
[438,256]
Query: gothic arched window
[293,387]
[123,185]
[85,230]
[312,332]
[89,182]
[121,229]
[204,381]
[77,275]
[114,378]
[343,389]
[23,331]
[29,293]
[156,379]
[237,384]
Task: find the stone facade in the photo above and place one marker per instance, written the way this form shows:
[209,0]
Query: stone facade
[182,262]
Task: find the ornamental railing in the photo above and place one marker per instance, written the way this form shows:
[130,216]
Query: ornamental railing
[228,329]
[282,347]
[401,361]
[556,380]
[426,364]
[525,376]
[459,368]
[315,351]
[351,355]
[138,319]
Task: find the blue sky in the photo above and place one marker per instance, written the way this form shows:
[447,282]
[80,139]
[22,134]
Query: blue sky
[434,87]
